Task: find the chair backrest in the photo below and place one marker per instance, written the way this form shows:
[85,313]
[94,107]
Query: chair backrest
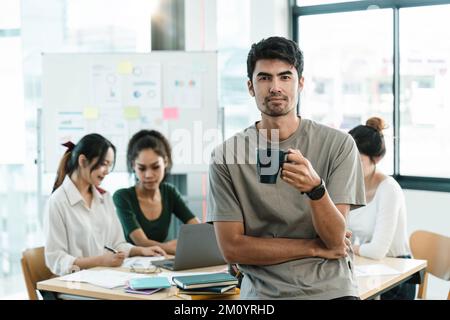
[434,248]
[34,270]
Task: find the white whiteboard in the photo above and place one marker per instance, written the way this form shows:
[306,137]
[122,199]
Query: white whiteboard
[118,94]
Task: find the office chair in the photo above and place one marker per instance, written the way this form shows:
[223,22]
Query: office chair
[34,270]
[434,248]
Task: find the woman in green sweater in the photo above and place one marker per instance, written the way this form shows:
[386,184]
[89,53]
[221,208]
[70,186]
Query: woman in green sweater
[145,209]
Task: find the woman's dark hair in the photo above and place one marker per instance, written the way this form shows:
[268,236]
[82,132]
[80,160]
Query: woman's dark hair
[275,48]
[149,139]
[91,146]
[369,138]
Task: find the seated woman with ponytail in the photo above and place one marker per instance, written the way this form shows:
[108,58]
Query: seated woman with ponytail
[379,228]
[81,221]
[146,208]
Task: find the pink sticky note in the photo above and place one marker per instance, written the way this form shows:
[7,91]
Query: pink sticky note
[170,113]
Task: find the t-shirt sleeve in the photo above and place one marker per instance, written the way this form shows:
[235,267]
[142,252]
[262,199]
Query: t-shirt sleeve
[345,182]
[223,203]
[179,207]
[389,204]
[123,202]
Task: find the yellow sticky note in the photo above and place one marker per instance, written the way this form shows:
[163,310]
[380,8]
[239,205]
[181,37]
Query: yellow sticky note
[131,113]
[125,67]
[90,113]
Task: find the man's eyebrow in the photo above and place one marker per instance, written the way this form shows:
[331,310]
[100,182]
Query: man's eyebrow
[287,72]
[284,73]
[263,74]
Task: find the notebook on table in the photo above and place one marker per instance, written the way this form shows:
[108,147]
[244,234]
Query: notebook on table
[205,280]
[149,283]
[210,290]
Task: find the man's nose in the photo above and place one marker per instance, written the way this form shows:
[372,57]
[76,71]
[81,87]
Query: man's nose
[275,87]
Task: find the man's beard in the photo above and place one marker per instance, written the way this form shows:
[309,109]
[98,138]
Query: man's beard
[267,110]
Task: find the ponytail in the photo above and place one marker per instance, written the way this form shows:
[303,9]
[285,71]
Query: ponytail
[62,170]
[63,165]
[91,146]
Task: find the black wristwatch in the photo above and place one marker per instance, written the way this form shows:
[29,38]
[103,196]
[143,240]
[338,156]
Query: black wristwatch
[317,192]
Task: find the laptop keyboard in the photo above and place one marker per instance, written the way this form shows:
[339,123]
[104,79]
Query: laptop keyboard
[169,263]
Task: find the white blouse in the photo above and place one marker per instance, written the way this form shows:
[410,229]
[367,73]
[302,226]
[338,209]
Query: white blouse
[74,230]
[380,227]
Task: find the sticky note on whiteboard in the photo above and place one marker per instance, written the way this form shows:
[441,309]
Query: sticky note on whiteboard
[131,112]
[90,113]
[125,67]
[170,113]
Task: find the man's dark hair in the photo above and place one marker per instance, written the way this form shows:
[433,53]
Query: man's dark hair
[275,48]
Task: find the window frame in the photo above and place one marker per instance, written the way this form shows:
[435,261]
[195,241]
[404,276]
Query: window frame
[405,181]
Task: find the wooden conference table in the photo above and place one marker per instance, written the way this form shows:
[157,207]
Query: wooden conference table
[370,286]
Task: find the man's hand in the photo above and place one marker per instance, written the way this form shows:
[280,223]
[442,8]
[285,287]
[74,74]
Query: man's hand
[299,173]
[336,253]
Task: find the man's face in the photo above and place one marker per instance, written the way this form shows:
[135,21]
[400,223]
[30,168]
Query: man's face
[275,86]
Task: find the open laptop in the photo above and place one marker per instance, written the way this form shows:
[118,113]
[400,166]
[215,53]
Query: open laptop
[196,247]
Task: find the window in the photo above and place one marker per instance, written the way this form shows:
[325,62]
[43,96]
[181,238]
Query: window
[424,94]
[234,42]
[317,2]
[395,64]
[12,118]
[12,143]
[348,70]
[28,28]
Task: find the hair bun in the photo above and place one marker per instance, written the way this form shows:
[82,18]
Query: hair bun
[376,123]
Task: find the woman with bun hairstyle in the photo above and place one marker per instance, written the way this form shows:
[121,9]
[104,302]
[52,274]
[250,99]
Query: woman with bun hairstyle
[379,228]
[81,225]
[146,208]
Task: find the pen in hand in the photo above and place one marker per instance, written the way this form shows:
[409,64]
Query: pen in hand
[111,249]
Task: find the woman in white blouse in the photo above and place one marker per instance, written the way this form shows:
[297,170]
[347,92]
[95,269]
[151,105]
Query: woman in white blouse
[379,228]
[81,221]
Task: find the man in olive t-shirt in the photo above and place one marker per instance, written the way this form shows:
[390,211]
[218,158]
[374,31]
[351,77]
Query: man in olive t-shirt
[288,238]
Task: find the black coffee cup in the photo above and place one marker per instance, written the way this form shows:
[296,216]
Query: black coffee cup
[268,164]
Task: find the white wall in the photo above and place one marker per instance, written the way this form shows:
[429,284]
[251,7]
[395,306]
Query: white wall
[430,211]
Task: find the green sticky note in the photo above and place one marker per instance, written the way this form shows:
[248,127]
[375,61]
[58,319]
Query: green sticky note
[125,67]
[90,113]
[131,113]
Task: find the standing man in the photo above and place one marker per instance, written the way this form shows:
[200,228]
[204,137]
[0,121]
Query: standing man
[289,238]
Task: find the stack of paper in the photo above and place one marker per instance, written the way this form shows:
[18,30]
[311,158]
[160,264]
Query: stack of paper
[141,262]
[103,278]
[374,270]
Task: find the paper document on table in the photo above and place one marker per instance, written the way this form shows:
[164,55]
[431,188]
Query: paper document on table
[374,270]
[142,262]
[103,278]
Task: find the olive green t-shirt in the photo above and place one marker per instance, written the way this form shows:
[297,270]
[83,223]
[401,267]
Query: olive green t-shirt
[132,217]
[281,211]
